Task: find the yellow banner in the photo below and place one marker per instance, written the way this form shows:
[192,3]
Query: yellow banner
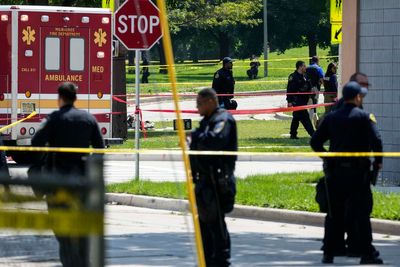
[108,4]
[336,11]
[336,33]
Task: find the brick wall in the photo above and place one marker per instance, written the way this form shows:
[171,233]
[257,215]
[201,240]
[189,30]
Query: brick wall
[379,58]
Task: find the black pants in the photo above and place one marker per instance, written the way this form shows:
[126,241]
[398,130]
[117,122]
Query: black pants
[216,243]
[214,233]
[350,200]
[74,252]
[303,117]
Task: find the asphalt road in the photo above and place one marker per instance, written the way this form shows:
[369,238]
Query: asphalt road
[143,237]
[259,102]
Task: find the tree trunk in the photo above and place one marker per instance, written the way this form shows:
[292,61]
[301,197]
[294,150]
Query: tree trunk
[163,69]
[312,45]
[68,3]
[38,2]
[224,44]
[194,52]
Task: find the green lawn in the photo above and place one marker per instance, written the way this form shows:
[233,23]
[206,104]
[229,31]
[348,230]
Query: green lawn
[279,69]
[253,135]
[295,191]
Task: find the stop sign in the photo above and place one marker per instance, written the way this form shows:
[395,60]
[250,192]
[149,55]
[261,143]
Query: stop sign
[137,24]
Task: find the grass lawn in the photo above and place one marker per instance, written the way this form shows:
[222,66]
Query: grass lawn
[294,191]
[202,74]
[254,135]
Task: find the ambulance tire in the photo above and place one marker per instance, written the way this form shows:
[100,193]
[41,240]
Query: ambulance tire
[24,158]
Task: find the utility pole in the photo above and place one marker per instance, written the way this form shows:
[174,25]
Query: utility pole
[266,46]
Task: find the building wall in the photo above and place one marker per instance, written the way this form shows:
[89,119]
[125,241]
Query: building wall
[379,57]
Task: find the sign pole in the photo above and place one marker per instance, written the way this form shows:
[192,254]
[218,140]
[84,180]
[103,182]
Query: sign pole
[137,111]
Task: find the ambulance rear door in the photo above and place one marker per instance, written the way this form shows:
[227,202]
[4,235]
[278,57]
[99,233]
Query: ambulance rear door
[64,59]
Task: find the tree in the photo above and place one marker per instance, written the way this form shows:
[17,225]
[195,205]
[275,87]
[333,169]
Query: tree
[295,23]
[217,17]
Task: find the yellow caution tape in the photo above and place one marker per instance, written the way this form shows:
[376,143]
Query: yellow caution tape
[17,122]
[62,222]
[216,61]
[209,83]
[213,153]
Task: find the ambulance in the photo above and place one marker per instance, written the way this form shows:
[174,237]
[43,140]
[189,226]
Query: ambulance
[43,46]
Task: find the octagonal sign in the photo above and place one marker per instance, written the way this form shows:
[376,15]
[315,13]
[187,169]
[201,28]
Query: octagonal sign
[137,24]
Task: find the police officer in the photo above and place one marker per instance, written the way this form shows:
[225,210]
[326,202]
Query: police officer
[224,83]
[349,129]
[297,83]
[213,175]
[361,79]
[69,127]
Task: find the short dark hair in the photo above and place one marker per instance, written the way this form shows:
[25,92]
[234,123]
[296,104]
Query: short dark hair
[314,59]
[208,93]
[299,64]
[353,78]
[67,92]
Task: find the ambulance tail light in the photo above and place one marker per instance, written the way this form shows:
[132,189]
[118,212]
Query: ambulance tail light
[22,131]
[4,17]
[104,131]
[24,17]
[45,18]
[85,20]
[2,97]
[100,54]
[32,131]
[105,20]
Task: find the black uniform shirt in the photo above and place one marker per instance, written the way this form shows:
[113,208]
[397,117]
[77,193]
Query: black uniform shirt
[349,129]
[297,83]
[223,82]
[216,133]
[69,127]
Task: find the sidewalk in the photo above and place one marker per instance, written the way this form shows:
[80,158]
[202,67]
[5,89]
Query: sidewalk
[144,237]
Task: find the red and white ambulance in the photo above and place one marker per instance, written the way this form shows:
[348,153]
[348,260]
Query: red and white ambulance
[43,46]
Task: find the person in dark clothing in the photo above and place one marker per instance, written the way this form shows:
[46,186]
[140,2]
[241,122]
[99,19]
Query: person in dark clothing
[297,83]
[349,129]
[214,176]
[361,79]
[331,86]
[224,83]
[69,127]
[4,171]
[145,71]
[254,65]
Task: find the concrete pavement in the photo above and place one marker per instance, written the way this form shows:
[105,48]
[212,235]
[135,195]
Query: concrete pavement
[143,237]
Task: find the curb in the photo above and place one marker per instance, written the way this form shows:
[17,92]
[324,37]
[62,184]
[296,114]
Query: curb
[246,212]
[178,157]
